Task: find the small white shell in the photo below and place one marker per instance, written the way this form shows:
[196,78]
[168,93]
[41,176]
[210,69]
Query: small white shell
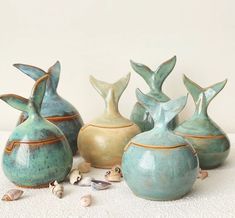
[75,177]
[114,175]
[202,174]
[86,181]
[86,200]
[84,167]
[12,195]
[57,189]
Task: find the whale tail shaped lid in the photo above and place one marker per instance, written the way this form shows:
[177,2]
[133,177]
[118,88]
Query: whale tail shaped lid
[36,73]
[202,96]
[111,93]
[162,113]
[155,79]
[31,105]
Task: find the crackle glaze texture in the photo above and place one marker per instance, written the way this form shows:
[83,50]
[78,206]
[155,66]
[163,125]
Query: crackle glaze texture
[37,152]
[54,108]
[101,142]
[155,80]
[210,142]
[157,164]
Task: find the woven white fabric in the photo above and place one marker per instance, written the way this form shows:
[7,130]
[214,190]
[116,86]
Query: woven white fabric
[212,197]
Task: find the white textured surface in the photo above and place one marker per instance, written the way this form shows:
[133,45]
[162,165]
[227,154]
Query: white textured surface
[213,197]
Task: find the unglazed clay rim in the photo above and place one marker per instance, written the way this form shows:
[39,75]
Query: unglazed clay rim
[62,118]
[158,146]
[46,185]
[9,148]
[201,136]
[107,127]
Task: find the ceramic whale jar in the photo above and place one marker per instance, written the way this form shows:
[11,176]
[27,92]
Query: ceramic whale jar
[210,142]
[101,142]
[54,108]
[37,152]
[157,164]
[155,80]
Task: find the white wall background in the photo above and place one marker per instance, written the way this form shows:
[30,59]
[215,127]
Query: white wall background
[99,37]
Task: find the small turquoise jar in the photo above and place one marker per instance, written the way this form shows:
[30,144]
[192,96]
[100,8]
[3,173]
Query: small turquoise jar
[37,152]
[54,108]
[155,80]
[209,140]
[157,164]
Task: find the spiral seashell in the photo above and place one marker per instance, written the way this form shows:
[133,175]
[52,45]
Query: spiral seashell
[86,200]
[114,175]
[84,167]
[57,189]
[12,195]
[75,177]
[202,174]
[86,181]
[100,185]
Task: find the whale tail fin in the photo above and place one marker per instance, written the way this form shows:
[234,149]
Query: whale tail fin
[203,96]
[108,90]
[155,79]
[162,113]
[35,100]
[35,73]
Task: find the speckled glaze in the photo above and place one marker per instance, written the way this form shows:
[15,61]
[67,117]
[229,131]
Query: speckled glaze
[157,164]
[37,152]
[101,142]
[210,142]
[155,80]
[54,108]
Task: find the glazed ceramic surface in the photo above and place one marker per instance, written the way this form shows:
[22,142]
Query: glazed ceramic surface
[101,142]
[155,80]
[37,152]
[54,108]
[208,139]
[157,164]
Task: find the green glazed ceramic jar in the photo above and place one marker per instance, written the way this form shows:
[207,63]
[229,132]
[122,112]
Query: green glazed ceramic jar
[54,108]
[210,142]
[37,152]
[157,164]
[155,80]
[101,142]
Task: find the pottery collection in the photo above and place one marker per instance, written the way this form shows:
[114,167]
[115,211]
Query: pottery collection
[155,80]
[54,108]
[157,157]
[210,142]
[101,142]
[37,152]
[157,164]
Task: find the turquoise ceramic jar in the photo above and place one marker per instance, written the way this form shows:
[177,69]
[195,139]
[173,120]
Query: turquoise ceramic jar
[54,108]
[157,164]
[155,80]
[210,142]
[37,152]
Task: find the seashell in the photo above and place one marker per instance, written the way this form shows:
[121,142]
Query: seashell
[202,174]
[84,167]
[12,195]
[117,168]
[86,181]
[75,177]
[114,175]
[86,200]
[100,185]
[57,189]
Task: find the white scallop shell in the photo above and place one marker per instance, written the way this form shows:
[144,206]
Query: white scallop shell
[86,181]
[57,189]
[84,167]
[75,177]
[86,200]
[12,195]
